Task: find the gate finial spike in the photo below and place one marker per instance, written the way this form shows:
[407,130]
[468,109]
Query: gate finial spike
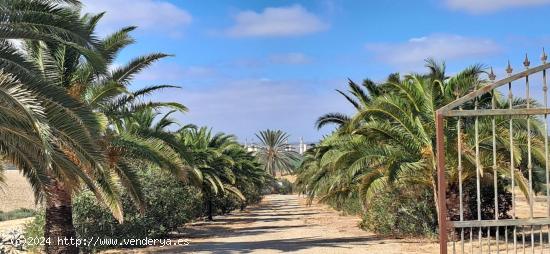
[509,68]
[526,62]
[544,57]
[492,75]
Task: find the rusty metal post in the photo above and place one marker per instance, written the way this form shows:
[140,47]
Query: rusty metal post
[441,182]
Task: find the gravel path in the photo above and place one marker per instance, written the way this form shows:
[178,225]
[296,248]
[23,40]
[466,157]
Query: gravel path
[283,224]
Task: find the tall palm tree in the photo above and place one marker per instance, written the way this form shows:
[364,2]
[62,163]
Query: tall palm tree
[131,138]
[47,134]
[23,94]
[274,152]
[46,129]
[95,88]
[78,155]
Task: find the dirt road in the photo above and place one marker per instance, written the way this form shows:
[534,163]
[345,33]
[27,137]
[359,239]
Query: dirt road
[283,224]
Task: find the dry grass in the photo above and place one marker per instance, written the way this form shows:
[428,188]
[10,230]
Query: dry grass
[16,192]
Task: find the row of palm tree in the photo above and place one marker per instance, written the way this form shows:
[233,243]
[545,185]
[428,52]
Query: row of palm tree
[69,119]
[390,141]
[220,164]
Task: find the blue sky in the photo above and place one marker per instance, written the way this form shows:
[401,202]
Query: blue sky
[245,66]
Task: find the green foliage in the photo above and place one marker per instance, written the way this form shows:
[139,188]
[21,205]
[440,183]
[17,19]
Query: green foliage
[487,196]
[65,111]
[220,166]
[252,192]
[227,202]
[224,204]
[274,154]
[390,142]
[35,229]
[17,214]
[352,205]
[169,204]
[399,213]
[282,186]
[61,135]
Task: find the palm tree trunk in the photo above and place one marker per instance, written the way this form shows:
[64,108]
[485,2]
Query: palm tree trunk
[209,208]
[434,187]
[59,228]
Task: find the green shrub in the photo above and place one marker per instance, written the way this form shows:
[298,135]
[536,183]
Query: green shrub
[399,213]
[17,214]
[224,204]
[252,193]
[35,229]
[349,205]
[487,198]
[282,186]
[169,202]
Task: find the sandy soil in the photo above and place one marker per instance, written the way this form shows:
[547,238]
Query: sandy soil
[6,226]
[283,224]
[540,207]
[16,192]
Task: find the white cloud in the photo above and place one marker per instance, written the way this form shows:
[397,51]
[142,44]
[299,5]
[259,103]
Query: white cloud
[276,22]
[289,58]
[245,106]
[148,15]
[445,47]
[484,6]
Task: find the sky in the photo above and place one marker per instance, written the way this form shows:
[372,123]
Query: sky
[246,66]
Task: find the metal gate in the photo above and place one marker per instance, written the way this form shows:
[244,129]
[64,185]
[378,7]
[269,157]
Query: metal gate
[489,130]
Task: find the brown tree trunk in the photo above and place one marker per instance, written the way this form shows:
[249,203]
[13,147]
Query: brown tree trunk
[243,205]
[59,229]
[436,200]
[209,208]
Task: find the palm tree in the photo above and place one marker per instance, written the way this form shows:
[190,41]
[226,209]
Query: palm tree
[213,167]
[139,142]
[390,141]
[47,134]
[274,152]
[356,96]
[359,97]
[79,156]
[95,88]
[249,173]
[403,124]
[23,94]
